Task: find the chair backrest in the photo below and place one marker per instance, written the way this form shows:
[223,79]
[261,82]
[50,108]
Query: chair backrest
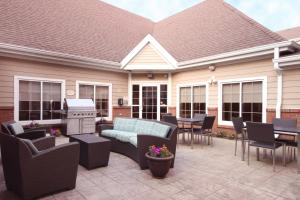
[5,127]
[260,132]
[208,122]
[170,119]
[286,123]
[200,116]
[238,125]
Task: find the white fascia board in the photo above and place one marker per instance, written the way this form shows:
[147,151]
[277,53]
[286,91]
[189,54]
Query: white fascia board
[11,50]
[236,55]
[149,39]
[288,61]
[150,67]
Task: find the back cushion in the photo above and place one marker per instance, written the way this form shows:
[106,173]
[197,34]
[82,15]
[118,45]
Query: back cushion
[160,130]
[16,128]
[31,146]
[144,127]
[124,124]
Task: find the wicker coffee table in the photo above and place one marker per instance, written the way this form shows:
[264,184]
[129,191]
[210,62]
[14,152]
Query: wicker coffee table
[94,150]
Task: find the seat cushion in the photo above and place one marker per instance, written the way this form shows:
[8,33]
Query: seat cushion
[144,127]
[124,124]
[30,145]
[125,136]
[265,145]
[133,141]
[160,130]
[16,128]
[110,133]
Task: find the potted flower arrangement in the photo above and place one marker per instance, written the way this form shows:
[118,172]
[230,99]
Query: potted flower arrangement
[55,132]
[159,160]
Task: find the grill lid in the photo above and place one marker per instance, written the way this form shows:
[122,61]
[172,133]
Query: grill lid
[80,104]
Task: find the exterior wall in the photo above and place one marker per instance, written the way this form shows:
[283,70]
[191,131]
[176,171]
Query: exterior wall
[291,89]
[14,67]
[143,77]
[148,55]
[234,71]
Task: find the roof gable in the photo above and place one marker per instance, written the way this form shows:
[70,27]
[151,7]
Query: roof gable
[291,33]
[145,54]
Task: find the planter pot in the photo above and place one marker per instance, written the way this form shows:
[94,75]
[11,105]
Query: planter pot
[159,167]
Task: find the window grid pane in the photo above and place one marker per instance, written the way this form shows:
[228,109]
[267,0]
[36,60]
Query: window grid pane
[185,102]
[51,100]
[102,101]
[231,101]
[199,100]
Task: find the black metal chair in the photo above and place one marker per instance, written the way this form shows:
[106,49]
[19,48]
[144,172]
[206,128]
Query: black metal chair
[240,133]
[200,117]
[206,129]
[173,120]
[289,140]
[261,135]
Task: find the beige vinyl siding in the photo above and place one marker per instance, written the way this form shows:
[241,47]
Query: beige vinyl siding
[291,89]
[143,77]
[14,67]
[147,56]
[234,71]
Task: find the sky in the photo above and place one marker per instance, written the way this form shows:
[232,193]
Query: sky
[273,14]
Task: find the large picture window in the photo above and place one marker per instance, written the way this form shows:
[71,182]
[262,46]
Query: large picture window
[192,100]
[38,99]
[100,94]
[242,99]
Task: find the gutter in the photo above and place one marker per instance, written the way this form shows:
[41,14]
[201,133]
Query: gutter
[240,54]
[22,52]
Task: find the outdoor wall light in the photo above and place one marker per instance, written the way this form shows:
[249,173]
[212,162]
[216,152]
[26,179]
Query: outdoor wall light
[212,80]
[212,68]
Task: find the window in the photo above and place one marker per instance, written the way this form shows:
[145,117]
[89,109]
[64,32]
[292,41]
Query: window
[38,99]
[99,93]
[192,100]
[135,101]
[163,99]
[243,99]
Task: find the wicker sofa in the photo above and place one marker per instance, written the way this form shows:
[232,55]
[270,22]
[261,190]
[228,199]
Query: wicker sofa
[132,137]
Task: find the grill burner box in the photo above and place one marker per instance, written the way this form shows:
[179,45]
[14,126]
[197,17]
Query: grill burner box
[79,116]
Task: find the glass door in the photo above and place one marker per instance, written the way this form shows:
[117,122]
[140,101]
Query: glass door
[149,102]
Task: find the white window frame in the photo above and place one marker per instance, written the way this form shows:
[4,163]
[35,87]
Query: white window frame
[17,80]
[263,79]
[192,85]
[109,85]
[154,84]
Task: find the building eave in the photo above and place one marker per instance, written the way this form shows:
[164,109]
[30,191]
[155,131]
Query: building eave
[22,52]
[239,55]
[288,62]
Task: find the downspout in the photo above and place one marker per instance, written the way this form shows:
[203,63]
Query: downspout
[279,82]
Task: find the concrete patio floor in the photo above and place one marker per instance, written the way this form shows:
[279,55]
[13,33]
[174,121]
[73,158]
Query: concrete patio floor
[205,172]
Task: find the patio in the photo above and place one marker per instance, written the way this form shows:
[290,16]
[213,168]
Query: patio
[205,172]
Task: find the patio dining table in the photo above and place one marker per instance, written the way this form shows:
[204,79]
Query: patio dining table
[293,132]
[192,122]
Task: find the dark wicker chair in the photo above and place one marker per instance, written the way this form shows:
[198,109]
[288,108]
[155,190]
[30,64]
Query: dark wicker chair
[289,140]
[30,176]
[28,134]
[173,120]
[261,135]
[143,143]
[240,133]
[206,128]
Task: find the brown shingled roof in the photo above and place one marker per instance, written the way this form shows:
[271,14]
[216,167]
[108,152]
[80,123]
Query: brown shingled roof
[94,29]
[290,33]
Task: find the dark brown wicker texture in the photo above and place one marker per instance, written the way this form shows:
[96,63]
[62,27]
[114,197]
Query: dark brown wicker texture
[31,176]
[143,143]
[94,151]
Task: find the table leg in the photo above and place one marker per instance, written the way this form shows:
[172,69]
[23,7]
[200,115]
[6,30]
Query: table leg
[298,159]
[243,147]
[192,137]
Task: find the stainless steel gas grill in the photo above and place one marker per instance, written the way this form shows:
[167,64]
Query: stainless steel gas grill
[79,116]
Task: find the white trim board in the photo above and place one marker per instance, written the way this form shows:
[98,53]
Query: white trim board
[16,97]
[110,107]
[156,46]
[242,80]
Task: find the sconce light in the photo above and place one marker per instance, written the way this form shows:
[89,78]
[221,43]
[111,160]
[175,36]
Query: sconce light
[150,76]
[212,80]
[212,68]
